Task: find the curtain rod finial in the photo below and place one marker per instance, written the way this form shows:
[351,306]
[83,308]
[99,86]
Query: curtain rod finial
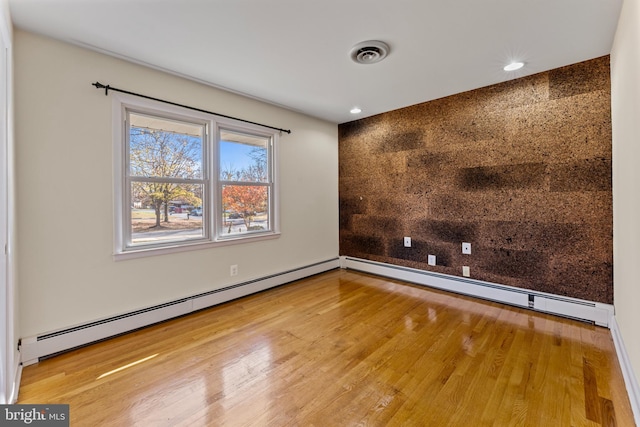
[99,85]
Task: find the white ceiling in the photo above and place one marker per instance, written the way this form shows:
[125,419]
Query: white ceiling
[295,53]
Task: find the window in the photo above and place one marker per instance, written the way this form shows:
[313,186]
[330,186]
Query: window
[164,179]
[186,180]
[244,182]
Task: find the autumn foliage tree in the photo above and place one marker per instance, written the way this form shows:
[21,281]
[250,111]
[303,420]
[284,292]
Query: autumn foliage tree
[246,200]
[241,193]
[159,154]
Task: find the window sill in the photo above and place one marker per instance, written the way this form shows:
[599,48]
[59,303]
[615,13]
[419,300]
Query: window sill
[185,247]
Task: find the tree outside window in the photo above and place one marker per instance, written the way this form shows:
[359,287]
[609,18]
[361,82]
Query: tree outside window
[166,173]
[245,182]
[187,180]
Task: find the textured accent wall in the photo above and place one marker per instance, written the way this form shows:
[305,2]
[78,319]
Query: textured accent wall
[521,170]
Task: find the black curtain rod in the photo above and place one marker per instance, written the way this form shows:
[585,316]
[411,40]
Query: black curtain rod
[107,88]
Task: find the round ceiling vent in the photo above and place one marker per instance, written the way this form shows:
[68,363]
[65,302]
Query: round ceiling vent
[369,52]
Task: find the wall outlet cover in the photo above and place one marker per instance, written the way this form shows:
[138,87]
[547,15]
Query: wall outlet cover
[466,248]
[431,260]
[407,242]
[466,271]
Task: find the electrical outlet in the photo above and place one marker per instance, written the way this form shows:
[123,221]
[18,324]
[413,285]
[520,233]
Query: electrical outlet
[466,248]
[407,242]
[431,260]
[233,270]
[466,271]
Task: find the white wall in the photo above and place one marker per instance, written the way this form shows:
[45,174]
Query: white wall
[625,100]
[64,170]
[9,360]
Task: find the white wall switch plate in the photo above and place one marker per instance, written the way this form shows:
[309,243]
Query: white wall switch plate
[466,248]
[431,260]
[466,272]
[407,242]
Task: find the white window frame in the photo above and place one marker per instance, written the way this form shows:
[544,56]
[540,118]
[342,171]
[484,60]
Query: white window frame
[224,125]
[212,216]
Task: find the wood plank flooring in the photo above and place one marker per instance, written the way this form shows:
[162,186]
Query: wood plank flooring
[343,349]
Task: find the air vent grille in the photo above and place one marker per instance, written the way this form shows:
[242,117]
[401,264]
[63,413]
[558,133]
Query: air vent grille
[369,52]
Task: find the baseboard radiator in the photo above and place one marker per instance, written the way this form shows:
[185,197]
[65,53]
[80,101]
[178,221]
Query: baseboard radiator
[589,311]
[35,348]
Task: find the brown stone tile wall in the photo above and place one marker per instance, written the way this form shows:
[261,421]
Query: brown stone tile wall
[521,170]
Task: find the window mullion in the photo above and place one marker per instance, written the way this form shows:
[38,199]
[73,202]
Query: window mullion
[169,180]
[245,183]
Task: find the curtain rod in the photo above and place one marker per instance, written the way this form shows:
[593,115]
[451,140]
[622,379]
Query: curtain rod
[107,88]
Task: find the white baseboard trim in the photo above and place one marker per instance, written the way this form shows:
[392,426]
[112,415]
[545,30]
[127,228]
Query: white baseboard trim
[596,312]
[630,379]
[11,383]
[36,347]
[15,386]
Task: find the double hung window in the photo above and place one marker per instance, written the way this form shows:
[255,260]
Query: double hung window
[244,184]
[186,180]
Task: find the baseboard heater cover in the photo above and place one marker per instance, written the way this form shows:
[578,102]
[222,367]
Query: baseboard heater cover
[35,348]
[575,308]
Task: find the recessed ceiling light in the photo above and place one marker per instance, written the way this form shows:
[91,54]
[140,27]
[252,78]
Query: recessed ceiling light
[513,66]
[355,110]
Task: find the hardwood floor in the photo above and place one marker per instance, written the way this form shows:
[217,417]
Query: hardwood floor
[343,349]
